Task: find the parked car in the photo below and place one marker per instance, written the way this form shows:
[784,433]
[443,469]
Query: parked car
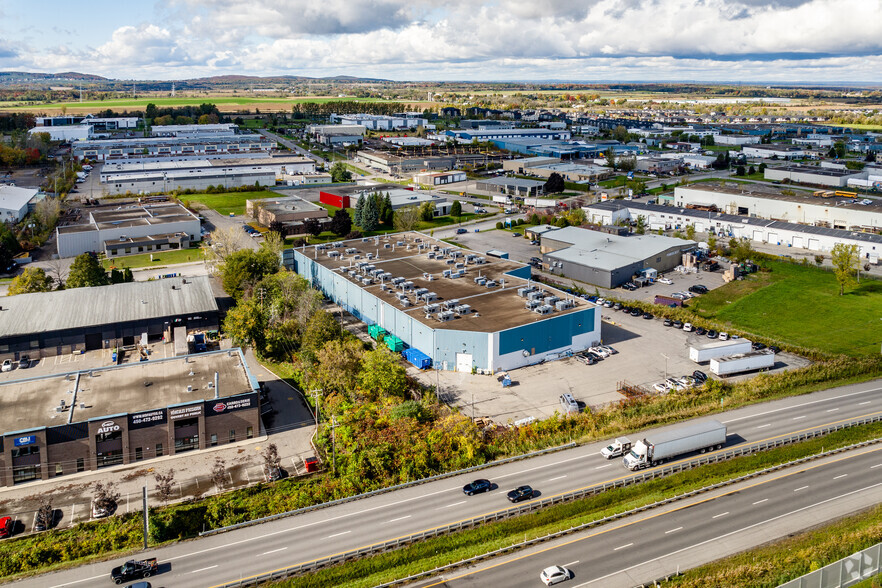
[699,376]
[608,303]
[678,324]
[679,296]
[534,242]
[515,234]
[698,289]
[594,355]
[668,322]
[675,384]
[662,387]
[757,346]
[774,349]
[24,361]
[700,331]
[687,327]
[599,301]
[711,334]
[724,336]
[585,358]
[461,231]
[521,493]
[598,350]
[7,365]
[636,312]
[477,487]
[617,306]
[667,281]
[6,527]
[647,315]
[554,575]
[99,512]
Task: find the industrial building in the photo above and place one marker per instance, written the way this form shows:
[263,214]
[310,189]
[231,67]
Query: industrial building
[570,172]
[483,135]
[14,202]
[129,230]
[280,164]
[524,164]
[736,139]
[657,165]
[97,123]
[104,149]
[57,425]
[759,230]
[337,135]
[466,312]
[61,322]
[756,200]
[394,164]
[608,260]
[217,130]
[515,187]
[439,178]
[288,210]
[382,122]
[812,174]
[65,134]
[155,182]
[774,150]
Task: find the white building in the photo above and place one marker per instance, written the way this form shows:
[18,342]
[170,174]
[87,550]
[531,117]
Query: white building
[778,151]
[815,175]
[65,133]
[14,202]
[439,178]
[210,130]
[736,139]
[381,122]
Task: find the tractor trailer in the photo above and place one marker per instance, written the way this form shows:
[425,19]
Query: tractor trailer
[714,349]
[742,362]
[656,448]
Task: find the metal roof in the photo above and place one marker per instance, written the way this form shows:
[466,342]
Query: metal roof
[519,182]
[15,198]
[103,305]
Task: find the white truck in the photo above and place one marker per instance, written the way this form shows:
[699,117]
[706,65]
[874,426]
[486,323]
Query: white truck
[743,362]
[659,447]
[709,351]
[620,446]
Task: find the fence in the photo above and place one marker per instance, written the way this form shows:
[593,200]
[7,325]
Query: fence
[321,563]
[845,572]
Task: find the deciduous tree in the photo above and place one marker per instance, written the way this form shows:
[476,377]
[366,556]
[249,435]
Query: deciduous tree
[845,260]
[382,373]
[32,279]
[406,218]
[341,223]
[85,271]
[554,184]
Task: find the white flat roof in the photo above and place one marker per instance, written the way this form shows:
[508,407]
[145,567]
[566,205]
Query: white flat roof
[15,198]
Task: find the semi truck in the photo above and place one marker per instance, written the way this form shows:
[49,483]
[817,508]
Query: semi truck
[656,448]
[709,351]
[620,446]
[743,362]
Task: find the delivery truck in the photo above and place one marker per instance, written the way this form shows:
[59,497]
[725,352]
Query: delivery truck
[709,351]
[656,448]
[742,362]
[620,446]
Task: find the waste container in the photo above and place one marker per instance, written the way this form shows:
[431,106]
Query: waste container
[311,464]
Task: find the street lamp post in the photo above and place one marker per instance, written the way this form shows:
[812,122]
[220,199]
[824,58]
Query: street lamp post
[666,366]
[315,394]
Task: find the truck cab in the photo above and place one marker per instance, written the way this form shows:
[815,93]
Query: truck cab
[618,447]
[638,457]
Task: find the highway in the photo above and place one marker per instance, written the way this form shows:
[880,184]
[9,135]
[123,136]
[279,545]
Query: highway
[294,540]
[649,546]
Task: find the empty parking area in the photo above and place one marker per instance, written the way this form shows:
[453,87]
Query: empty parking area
[518,248]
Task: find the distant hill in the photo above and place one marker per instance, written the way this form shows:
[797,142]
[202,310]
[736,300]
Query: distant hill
[69,75]
[234,79]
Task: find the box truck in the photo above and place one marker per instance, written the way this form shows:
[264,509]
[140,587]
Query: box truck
[709,351]
[659,447]
[743,362]
[620,446]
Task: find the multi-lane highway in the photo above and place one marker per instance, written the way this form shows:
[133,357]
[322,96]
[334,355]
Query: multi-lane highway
[260,549]
[648,546]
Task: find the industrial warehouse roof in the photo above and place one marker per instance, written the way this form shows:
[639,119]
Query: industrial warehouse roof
[799,196]
[102,305]
[605,246]
[14,198]
[519,182]
[127,166]
[817,170]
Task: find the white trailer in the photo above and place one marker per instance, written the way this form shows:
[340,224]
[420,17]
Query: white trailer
[743,362]
[714,349]
[656,448]
[540,202]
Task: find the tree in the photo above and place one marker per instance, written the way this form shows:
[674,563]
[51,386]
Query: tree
[150,111]
[711,243]
[244,268]
[387,215]
[427,211]
[640,227]
[845,260]
[839,149]
[165,484]
[627,163]
[246,324]
[762,168]
[32,279]
[690,232]
[221,244]
[339,173]
[751,170]
[321,328]
[85,271]
[554,184]
[741,249]
[382,374]
[312,226]
[610,155]
[341,223]
[456,209]
[406,218]
[270,457]
[359,210]
[739,171]
[105,496]
[219,471]
[575,217]
[370,216]
[620,134]
[45,512]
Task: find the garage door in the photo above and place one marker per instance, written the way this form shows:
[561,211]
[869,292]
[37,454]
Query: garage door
[797,242]
[757,235]
[93,341]
[464,362]
[699,228]
[814,245]
[773,238]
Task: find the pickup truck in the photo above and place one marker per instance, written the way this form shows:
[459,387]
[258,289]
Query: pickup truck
[134,569]
[620,446]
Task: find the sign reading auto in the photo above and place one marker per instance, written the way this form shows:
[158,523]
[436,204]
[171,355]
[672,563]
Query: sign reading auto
[215,407]
[107,427]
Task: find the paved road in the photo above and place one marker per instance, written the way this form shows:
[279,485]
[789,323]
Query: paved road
[646,547]
[292,146]
[262,548]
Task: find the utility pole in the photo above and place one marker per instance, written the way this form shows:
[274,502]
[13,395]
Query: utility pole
[316,396]
[146,514]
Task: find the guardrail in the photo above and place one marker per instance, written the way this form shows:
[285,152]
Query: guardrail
[306,509]
[321,563]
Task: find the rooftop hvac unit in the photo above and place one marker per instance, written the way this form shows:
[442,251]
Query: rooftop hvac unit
[421,291]
[450,261]
[456,254]
[430,277]
[491,284]
[333,254]
[367,281]
[386,275]
[535,295]
[460,266]
[408,285]
[355,257]
[481,259]
[431,255]
[352,273]
[351,250]
[445,274]
[432,308]
[480,280]
[387,246]
[365,239]
[445,316]
[463,309]
[404,302]
[544,309]
[563,304]
[321,247]
[397,281]
[451,303]
[430,296]
[400,243]
[471,258]
[531,304]
[549,300]
[435,247]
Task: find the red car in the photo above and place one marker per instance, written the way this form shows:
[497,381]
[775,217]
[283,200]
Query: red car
[6,527]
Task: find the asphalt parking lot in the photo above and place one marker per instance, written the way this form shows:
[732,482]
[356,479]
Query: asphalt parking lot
[518,248]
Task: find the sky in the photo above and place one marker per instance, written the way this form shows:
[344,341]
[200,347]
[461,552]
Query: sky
[781,41]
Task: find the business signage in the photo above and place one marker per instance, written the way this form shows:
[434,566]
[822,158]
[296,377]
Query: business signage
[149,418]
[26,440]
[185,412]
[225,405]
[107,427]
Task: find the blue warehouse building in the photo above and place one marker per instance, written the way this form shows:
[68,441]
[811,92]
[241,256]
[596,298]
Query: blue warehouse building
[464,310]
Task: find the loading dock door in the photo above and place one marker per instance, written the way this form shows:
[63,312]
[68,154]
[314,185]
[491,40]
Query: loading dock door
[797,242]
[814,245]
[773,238]
[93,341]
[757,235]
[464,362]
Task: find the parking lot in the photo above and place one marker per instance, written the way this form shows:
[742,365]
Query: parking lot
[648,352]
[518,248]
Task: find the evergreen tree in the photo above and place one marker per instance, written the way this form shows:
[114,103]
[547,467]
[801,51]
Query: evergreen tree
[359,211]
[370,216]
[388,213]
[456,209]
[341,223]
[86,271]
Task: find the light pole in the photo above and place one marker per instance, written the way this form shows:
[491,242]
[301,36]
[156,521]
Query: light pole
[666,366]
[315,394]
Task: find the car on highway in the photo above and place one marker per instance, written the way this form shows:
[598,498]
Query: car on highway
[461,231]
[7,365]
[134,569]
[554,575]
[520,493]
[667,281]
[477,487]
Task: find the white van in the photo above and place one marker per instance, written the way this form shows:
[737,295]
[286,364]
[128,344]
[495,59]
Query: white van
[569,404]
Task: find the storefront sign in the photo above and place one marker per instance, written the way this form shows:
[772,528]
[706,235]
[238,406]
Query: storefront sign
[107,427]
[28,440]
[225,405]
[185,412]
[149,418]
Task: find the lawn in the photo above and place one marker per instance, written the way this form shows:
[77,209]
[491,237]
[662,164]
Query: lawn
[160,101]
[228,202]
[800,305]
[160,258]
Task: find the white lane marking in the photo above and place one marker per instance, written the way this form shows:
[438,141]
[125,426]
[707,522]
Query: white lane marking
[622,546]
[799,417]
[729,534]
[878,465]
[572,563]
[760,501]
[449,505]
[544,466]
[674,530]
[202,569]
[399,519]
[863,403]
[722,514]
[800,488]
[833,410]
[274,551]
[842,476]
[557,478]
[603,466]
[337,534]
[764,426]
[801,405]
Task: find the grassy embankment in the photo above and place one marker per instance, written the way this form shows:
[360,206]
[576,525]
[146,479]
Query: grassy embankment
[160,258]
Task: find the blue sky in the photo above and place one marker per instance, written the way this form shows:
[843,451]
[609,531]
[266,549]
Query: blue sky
[702,40]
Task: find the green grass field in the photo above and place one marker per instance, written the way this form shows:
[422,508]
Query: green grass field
[161,101]
[800,305]
[229,202]
[160,258]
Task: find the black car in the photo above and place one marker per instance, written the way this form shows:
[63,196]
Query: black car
[668,322]
[700,331]
[617,306]
[647,315]
[477,487]
[520,493]
[698,289]
[595,356]
[678,324]
[774,349]
[711,334]
[700,376]
[757,346]
[636,312]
